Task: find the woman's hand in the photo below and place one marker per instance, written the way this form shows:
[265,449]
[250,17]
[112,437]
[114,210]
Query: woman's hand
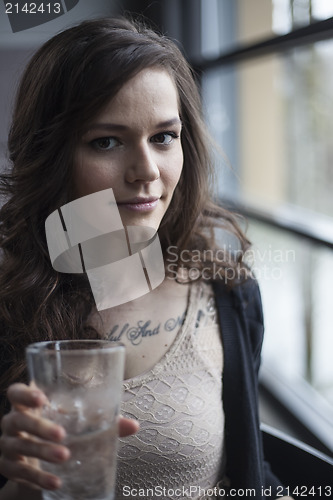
[27,438]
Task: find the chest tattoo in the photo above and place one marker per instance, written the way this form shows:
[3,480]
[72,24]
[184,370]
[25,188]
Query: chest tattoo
[143,329]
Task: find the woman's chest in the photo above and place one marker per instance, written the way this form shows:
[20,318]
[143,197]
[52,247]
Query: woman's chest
[147,327]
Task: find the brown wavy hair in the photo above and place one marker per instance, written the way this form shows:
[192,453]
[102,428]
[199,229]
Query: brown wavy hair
[67,82]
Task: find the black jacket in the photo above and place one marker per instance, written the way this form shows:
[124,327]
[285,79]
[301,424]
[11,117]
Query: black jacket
[241,322]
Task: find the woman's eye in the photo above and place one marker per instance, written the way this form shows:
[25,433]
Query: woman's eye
[104,143]
[164,138]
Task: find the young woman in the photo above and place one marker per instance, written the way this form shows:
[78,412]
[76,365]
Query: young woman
[111,104]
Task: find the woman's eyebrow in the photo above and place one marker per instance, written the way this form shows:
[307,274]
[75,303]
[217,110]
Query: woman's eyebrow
[169,123]
[119,127]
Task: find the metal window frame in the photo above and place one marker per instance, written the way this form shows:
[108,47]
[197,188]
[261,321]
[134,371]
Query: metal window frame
[315,32]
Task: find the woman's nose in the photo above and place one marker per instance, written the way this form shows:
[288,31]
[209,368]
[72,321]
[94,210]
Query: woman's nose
[142,166]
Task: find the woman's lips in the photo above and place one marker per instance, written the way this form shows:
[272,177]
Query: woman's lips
[140,204]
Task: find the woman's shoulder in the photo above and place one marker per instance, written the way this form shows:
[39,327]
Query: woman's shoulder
[244,295]
[241,318]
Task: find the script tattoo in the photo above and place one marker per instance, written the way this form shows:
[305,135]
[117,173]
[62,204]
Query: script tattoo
[135,334]
[172,323]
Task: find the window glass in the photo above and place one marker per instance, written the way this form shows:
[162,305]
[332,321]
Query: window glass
[291,14]
[273,116]
[299,341]
[227,24]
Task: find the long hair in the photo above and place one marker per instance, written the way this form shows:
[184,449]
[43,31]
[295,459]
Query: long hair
[67,82]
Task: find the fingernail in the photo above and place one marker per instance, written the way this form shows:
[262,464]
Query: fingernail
[58,433]
[38,397]
[52,483]
[59,454]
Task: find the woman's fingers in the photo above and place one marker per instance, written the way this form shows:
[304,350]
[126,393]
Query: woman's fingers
[14,448]
[21,395]
[27,437]
[127,426]
[17,422]
[24,473]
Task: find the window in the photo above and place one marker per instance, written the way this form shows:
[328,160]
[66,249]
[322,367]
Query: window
[268,95]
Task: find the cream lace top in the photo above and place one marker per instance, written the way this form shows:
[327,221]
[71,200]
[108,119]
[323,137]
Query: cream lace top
[179,446]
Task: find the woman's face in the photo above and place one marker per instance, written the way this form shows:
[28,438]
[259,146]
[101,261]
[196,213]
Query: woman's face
[133,146]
